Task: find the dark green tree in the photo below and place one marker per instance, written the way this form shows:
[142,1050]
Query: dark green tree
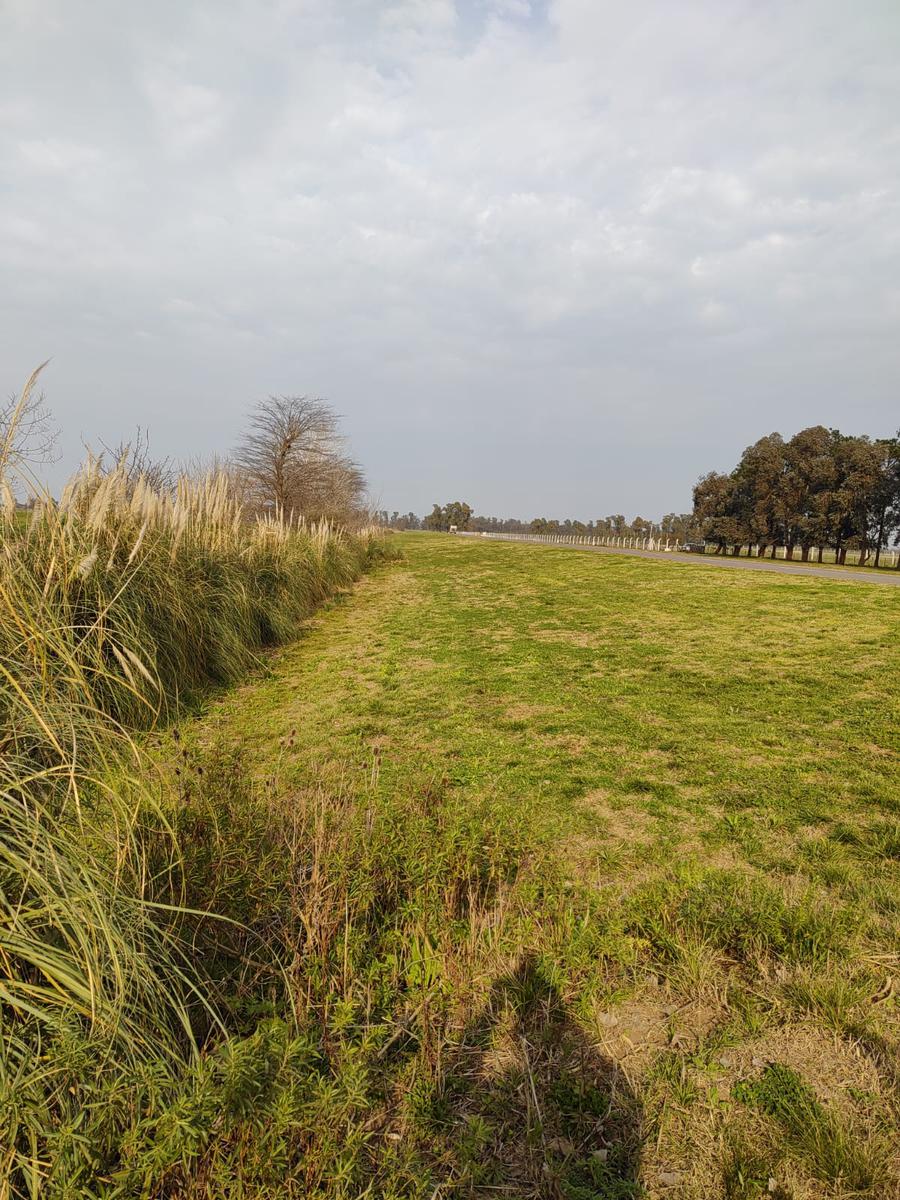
[436,519]
[713,504]
[457,513]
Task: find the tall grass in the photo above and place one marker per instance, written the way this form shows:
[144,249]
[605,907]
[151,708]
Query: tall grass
[156,595]
[115,604]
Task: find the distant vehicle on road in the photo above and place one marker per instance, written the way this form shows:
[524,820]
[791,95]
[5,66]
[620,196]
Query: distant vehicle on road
[452,529]
[694,547]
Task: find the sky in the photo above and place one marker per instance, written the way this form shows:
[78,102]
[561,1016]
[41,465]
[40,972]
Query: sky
[553,257]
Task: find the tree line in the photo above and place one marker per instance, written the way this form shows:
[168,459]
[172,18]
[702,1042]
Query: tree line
[677,526]
[820,489]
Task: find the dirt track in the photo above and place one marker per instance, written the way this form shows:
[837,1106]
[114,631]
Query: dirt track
[779,566]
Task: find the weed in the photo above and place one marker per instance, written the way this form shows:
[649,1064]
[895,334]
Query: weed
[835,1152]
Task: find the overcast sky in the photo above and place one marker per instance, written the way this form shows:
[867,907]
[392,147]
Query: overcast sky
[548,256]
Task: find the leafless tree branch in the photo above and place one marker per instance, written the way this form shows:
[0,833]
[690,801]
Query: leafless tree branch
[28,435]
[292,458]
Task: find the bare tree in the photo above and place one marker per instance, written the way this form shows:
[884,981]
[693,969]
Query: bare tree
[284,430]
[138,463]
[27,433]
[327,487]
[292,458]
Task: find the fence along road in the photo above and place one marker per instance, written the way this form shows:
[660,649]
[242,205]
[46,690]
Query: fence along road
[890,578]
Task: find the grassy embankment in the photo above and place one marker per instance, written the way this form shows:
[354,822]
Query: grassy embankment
[584,872]
[552,874]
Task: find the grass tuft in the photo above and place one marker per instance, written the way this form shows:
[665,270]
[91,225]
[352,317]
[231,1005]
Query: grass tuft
[834,1151]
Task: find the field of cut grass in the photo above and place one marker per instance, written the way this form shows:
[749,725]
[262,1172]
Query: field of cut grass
[558,875]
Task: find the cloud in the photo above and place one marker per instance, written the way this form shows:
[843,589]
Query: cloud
[610,245]
[187,115]
[56,157]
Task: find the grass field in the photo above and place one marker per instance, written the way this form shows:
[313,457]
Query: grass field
[583,872]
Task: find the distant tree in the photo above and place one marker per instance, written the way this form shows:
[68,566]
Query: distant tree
[293,460]
[457,514]
[757,500]
[285,432]
[330,487]
[436,519]
[135,458]
[497,524]
[397,520]
[810,477]
[885,494]
[713,509]
[678,526]
[863,491]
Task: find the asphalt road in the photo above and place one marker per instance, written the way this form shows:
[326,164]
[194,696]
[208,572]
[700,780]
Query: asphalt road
[776,566]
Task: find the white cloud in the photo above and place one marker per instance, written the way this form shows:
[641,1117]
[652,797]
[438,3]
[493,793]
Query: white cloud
[187,114]
[56,156]
[419,14]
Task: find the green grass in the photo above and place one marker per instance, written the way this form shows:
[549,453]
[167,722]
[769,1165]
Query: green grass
[522,872]
[836,1153]
[539,857]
